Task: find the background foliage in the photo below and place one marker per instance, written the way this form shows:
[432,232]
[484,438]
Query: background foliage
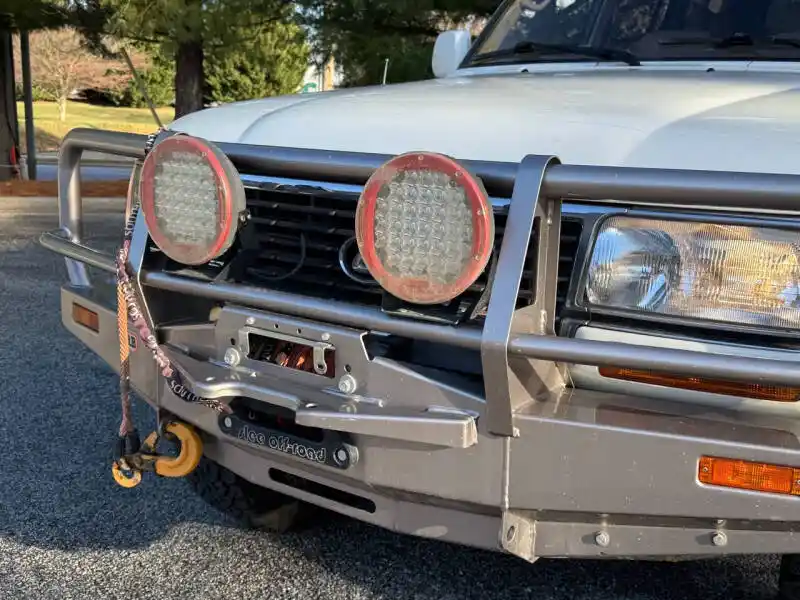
[191,30]
[362,34]
[254,48]
[269,62]
[244,49]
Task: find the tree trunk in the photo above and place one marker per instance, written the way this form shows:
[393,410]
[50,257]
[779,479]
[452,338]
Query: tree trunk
[62,109]
[189,78]
[8,108]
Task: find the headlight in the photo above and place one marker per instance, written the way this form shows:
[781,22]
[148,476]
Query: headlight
[192,198]
[730,273]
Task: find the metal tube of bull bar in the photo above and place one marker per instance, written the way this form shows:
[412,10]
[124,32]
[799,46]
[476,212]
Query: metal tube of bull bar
[531,214]
[585,352]
[683,188]
[349,315]
[69,181]
[684,362]
[644,186]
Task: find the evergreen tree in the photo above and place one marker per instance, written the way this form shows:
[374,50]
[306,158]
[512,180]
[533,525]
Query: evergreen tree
[158,80]
[188,30]
[31,15]
[364,33]
[270,63]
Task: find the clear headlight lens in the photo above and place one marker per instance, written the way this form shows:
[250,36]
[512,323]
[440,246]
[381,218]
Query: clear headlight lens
[731,273]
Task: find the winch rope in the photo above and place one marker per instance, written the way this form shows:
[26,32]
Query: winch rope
[126,425]
[128,308]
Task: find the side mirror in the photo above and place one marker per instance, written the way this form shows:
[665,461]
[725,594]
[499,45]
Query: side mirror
[450,49]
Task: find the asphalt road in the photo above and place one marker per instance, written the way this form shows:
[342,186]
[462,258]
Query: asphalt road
[66,530]
[94,167]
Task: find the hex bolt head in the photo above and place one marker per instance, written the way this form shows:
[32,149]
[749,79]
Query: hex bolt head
[228,422]
[602,539]
[348,384]
[719,539]
[326,337]
[340,456]
[232,357]
[250,321]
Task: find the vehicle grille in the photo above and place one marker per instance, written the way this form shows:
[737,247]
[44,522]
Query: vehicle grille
[279,219]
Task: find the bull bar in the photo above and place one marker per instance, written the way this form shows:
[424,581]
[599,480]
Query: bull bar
[524,361]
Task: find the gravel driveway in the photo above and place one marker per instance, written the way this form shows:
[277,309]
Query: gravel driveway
[66,530]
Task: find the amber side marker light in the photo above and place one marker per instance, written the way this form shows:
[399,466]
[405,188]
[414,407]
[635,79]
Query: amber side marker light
[756,391]
[744,475]
[84,316]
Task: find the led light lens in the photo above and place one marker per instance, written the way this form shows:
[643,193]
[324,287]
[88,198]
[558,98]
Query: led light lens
[425,228]
[192,198]
[727,273]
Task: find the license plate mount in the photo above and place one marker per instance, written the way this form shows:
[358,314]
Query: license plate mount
[329,449]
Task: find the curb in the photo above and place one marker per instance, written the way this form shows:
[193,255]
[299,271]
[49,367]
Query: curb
[23,188]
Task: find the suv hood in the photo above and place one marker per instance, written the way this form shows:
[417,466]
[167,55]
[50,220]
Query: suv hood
[738,121]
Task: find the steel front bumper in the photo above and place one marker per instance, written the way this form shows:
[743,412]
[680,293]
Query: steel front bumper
[528,464]
[591,475]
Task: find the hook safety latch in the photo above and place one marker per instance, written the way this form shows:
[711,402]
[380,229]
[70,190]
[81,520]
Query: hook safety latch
[133,460]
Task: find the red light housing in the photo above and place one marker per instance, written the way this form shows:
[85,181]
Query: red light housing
[424,227]
[192,199]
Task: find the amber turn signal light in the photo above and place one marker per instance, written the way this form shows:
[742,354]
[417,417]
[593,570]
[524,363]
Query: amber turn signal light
[744,475]
[700,384]
[84,316]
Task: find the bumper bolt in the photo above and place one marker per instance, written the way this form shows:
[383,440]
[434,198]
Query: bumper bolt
[602,539]
[511,534]
[232,357]
[341,456]
[347,384]
[719,539]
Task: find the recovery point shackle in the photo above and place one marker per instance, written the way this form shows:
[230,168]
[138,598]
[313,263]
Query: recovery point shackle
[134,459]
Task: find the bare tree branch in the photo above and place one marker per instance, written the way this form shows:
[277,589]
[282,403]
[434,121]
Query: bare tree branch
[61,63]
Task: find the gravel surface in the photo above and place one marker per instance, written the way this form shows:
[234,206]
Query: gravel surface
[66,530]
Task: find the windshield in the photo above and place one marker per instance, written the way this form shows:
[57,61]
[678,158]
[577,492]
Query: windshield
[548,30]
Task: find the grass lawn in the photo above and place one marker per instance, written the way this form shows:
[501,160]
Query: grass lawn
[50,130]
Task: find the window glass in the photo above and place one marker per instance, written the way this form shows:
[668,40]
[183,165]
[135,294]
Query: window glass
[650,29]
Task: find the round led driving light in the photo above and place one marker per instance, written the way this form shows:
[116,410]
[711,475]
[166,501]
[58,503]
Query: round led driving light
[192,198]
[424,227]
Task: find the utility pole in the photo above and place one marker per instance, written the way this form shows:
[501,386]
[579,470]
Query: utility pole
[27,85]
[8,107]
[385,71]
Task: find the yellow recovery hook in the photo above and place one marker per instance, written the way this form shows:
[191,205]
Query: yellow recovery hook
[133,461]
